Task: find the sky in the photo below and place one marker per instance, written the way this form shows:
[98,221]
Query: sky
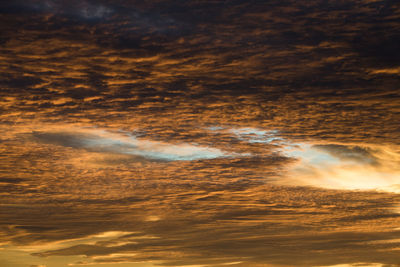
[199,133]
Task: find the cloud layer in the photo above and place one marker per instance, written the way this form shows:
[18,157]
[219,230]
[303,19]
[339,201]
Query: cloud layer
[173,133]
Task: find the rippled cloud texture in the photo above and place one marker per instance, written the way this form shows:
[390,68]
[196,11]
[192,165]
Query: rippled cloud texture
[199,133]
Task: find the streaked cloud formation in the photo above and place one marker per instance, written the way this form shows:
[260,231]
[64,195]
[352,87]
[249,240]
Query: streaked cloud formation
[200,133]
[172,213]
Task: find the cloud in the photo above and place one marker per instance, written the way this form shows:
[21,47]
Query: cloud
[345,167]
[389,71]
[103,141]
[349,153]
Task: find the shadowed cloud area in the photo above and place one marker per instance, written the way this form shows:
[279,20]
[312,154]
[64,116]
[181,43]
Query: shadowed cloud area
[199,133]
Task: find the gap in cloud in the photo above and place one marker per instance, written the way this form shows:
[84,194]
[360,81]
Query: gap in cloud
[98,140]
[250,134]
[254,135]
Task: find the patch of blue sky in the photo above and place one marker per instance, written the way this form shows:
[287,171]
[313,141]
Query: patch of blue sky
[249,134]
[263,140]
[195,155]
[248,130]
[151,149]
[215,128]
[106,142]
[254,135]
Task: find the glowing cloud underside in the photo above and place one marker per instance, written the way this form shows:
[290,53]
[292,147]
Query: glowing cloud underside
[345,167]
[333,166]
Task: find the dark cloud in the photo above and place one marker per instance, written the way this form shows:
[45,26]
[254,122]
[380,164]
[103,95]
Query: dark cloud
[355,153]
[81,9]
[74,140]
[11,180]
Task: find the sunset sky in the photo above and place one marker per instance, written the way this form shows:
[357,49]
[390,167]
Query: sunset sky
[199,133]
